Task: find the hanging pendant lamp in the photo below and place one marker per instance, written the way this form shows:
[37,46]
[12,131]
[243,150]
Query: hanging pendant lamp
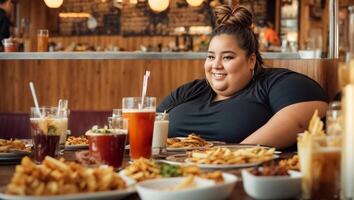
[53,3]
[158,5]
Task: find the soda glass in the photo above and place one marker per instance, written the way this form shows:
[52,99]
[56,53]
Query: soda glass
[46,129]
[42,40]
[141,116]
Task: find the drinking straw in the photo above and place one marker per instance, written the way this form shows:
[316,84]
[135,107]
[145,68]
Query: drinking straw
[164,115]
[143,92]
[33,91]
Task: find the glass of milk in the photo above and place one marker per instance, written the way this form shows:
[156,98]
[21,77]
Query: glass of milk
[160,133]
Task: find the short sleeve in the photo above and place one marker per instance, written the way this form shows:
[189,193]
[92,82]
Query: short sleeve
[290,88]
[182,94]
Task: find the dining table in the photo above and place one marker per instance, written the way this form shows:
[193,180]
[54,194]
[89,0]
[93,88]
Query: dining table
[7,170]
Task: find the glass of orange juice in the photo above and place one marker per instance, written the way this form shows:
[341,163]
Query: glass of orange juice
[141,116]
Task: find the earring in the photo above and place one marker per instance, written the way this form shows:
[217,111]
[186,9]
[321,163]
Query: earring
[252,72]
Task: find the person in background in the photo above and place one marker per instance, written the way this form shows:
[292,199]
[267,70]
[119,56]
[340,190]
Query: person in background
[270,35]
[5,23]
[240,101]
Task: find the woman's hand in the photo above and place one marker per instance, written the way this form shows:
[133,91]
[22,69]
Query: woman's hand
[282,129]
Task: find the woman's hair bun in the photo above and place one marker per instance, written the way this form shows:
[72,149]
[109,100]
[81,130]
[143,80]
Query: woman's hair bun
[237,16]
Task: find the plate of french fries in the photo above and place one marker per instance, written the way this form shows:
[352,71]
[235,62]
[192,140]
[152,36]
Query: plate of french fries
[191,142]
[57,179]
[224,158]
[76,142]
[144,169]
[13,149]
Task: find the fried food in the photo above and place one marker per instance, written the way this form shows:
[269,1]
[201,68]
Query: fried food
[7,146]
[80,140]
[226,156]
[56,177]
[192,140]
[143,169]
[270,170]
[291,163]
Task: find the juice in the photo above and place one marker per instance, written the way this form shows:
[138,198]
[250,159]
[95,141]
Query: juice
[326,164]
[141,126]
[109,147]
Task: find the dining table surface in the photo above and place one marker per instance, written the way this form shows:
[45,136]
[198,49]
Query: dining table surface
[7,171]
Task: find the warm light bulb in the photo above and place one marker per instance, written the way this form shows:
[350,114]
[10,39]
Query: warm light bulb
[158,5]
[53,3]
[195,2]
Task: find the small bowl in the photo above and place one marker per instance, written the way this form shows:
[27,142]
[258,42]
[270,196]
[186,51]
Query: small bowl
[272,187]
[157,189]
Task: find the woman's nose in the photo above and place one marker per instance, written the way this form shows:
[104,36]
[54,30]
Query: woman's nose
[217,64]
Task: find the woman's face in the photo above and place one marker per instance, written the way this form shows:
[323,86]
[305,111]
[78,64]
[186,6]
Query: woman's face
[227,68]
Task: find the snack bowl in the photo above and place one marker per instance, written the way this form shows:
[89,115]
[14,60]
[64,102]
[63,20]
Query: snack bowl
[272,187]
[161,189]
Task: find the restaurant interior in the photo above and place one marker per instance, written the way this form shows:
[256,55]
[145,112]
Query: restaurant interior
[73,74]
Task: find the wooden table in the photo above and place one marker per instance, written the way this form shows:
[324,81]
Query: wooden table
[6,172]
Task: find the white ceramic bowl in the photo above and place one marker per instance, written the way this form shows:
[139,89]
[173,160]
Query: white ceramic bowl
[205,189]
[272,187]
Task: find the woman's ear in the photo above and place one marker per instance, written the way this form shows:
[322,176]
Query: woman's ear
[252,61]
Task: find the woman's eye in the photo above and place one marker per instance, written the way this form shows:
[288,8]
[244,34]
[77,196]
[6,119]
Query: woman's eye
[228,58]
[210,57]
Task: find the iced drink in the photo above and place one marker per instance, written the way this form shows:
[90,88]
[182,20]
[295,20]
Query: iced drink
[46,132]
[107,145]
[141,125]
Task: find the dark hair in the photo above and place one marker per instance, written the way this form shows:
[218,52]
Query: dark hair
[3,1]
[237,21]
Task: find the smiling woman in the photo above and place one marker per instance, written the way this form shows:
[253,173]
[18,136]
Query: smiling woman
[240,101]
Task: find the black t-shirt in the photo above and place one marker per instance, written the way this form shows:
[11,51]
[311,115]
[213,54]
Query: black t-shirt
[192,109]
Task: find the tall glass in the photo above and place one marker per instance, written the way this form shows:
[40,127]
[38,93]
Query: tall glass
[326,167]
[42,40]
[160,133]
[46,128]
[141,119]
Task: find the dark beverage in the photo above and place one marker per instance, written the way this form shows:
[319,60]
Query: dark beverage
[45,145]
[326,164]
[108,147]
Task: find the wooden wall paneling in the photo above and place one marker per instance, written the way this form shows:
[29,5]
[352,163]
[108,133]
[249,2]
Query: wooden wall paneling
[101,84]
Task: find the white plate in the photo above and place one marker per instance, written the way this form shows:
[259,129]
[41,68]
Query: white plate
[205,189]
[76,147]
[182,159]
[114,194]
[242,146]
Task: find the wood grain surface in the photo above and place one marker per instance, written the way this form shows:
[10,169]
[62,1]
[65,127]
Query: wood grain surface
[101,84]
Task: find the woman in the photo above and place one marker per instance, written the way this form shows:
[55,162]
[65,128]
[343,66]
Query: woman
[240,101]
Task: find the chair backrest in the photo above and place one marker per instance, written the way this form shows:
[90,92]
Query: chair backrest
[17,125]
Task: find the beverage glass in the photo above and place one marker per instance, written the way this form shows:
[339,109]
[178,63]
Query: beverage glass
[326,165]
[160,132]
[321,168]
[63,112]
[46,129]
[117,112]
[334,119]
[9,45]
[141,117]
[108,145]
[42,40]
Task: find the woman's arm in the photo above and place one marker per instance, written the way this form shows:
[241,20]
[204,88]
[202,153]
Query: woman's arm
[281,130]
